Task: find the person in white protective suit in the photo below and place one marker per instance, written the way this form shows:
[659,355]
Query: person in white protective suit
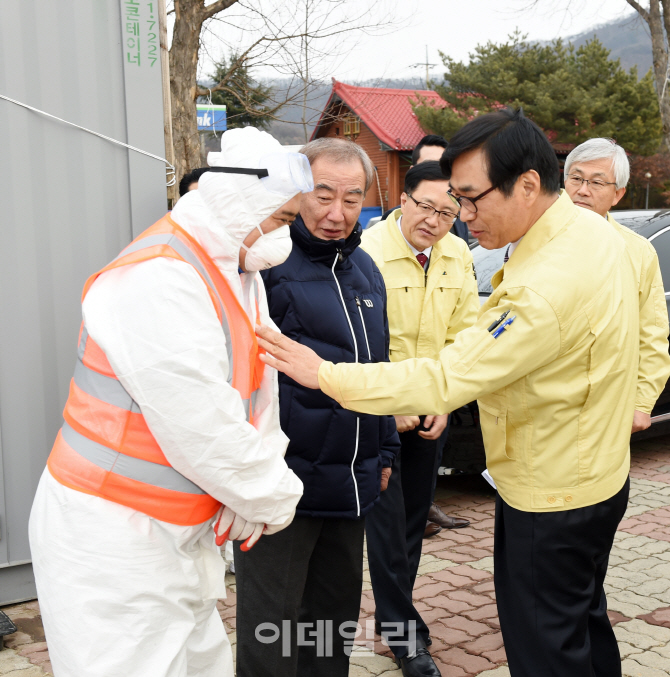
[124,593]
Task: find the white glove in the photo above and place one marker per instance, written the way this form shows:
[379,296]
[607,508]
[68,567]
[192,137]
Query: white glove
[274,528]
[230,526]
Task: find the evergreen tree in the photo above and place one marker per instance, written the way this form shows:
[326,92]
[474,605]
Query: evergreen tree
[248,102]
[573,94]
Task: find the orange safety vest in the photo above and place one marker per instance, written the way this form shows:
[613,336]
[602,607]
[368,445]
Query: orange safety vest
[105,447]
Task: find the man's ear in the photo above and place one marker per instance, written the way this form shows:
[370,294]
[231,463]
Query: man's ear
[530,184]
[620,192]
[403,200]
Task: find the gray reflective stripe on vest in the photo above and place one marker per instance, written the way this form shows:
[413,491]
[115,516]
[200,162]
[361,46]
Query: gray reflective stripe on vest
[176,244]
[111,391]
[257,294]
[190,257]
[81,348]
[154,474]
[250,404]
[254,395]
[104,388]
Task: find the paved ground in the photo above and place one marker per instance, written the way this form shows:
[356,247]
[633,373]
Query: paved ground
[455,588]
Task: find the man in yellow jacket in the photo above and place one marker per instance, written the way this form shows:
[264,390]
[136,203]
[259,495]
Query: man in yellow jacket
[431,296]
[553,362]
[596,174]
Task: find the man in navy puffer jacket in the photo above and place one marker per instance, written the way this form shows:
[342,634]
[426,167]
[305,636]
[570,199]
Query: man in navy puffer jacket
[306,580]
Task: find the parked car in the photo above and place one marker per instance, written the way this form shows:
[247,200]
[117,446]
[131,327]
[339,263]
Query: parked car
[463,450]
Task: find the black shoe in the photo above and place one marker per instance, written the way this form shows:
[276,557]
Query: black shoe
[436,515]
[431,529]
[378,631]
[421,664]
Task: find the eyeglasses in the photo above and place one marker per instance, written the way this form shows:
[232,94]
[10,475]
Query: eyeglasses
[593,184]
[469,202]
[428,211]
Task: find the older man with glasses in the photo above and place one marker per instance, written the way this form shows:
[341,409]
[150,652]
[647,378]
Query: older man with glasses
[432,295]
[596,174]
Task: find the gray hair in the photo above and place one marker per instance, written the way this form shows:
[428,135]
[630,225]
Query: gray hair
[340,150]
[602,149]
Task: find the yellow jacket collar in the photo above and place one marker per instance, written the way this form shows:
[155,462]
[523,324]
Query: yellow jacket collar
[395,247]
[552,222]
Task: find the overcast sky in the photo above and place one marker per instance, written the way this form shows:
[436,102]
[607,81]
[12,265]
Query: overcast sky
[457,26]
[453,26]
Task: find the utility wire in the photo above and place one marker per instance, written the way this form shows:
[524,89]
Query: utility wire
[170,170]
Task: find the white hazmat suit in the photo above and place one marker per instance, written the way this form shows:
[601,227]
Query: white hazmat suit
[123,594]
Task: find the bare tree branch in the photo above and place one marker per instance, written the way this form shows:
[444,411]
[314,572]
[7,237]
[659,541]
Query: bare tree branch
[299,39]
[230,74]
[248,110]
[217,7]
[639,9]
[665,4]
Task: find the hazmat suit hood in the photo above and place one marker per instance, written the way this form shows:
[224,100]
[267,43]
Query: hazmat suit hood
[227,207]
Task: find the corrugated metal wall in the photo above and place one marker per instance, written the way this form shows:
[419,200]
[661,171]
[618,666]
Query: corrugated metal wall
[69,203]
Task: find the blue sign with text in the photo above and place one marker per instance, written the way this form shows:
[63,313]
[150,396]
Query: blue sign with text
[211,118]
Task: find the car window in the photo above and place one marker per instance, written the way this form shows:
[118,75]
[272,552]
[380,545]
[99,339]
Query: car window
[662,245]
[642,221]
[487,262]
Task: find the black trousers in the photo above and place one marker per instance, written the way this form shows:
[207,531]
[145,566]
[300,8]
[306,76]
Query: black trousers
[549,573]
[394,529]
[299,586]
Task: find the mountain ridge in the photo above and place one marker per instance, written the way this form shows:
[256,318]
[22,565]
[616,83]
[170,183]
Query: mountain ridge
[628,40]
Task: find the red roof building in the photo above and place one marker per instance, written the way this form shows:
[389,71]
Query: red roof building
[383,123]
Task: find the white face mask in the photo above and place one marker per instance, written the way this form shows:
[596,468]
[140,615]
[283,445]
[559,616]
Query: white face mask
[269,250]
